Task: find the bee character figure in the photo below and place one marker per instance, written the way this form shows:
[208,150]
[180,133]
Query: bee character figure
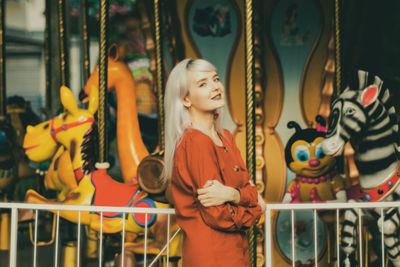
[316,178]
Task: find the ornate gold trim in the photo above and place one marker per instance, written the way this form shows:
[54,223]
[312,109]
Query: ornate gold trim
[173,27]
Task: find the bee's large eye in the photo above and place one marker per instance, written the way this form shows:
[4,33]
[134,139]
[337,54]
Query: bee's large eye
[302,153]
[319,153]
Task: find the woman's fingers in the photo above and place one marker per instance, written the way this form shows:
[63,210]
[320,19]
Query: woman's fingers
[208,183]
[202,191]
[210,202]
[214,193]
[211,183]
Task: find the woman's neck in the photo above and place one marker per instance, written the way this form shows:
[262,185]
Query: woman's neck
[204,121]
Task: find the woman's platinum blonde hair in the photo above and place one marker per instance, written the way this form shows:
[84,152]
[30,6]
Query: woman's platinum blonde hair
[177,117]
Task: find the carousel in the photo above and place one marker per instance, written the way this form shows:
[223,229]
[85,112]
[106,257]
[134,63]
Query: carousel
[82,127]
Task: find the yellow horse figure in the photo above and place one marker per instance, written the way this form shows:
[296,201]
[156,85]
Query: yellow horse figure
[70,129]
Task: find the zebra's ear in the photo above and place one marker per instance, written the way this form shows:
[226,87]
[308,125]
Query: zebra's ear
[369,95]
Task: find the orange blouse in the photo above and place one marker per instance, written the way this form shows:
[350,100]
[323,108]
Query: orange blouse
[213,236]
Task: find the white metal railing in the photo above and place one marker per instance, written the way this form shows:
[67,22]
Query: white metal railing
[14,207]
[357,206]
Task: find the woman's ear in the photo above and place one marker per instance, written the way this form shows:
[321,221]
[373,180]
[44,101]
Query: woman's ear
[186,102]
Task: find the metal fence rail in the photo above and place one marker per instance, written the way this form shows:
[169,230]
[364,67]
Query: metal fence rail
[15,207]
[336,207]
[357,206]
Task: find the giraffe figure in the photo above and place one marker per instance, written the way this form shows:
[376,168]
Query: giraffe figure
[131,149]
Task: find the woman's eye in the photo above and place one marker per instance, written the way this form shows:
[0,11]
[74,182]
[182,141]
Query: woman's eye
[216,79]
[302,153]
[202,84]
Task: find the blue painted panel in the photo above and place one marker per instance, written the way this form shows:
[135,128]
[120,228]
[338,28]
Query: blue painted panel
[213,25]
[294,29]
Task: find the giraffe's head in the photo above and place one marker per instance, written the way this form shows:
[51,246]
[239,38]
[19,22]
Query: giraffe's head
[117,73]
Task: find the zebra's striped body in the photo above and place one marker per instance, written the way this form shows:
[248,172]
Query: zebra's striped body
[363,114]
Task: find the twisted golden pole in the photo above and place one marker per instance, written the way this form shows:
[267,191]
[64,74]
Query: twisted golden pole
[85,40]
[62,43]
[2,61]
[337,49]
[104,4]
[47,55]
[250,114]
[159,75]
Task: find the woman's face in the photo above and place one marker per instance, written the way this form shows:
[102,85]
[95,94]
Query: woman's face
[206,92]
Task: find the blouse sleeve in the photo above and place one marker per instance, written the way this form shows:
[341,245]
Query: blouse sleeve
[248,192]
[197,164]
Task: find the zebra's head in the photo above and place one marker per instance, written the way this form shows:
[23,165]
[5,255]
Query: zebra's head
[349,113]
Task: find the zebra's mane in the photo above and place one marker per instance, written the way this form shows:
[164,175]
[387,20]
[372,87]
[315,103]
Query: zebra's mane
[363,79]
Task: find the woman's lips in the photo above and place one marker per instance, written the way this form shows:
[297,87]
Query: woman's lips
[217,97]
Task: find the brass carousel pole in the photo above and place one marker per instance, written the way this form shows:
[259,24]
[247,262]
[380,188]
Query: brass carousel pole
[250,115]
[102,111]
[63,43]
[47,55]
[85,40]
[338,76]
[159,75]
[104,4]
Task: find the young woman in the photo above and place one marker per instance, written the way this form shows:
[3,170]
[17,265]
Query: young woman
[214,199]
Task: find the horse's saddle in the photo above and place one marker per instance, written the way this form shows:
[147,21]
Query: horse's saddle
[109,192]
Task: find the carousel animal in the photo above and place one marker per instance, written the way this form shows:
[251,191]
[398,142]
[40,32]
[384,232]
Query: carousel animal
[95,187]
[316,177]
[131,149]
[364,115]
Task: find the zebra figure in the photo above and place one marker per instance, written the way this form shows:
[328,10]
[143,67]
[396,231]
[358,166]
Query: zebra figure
[364,115]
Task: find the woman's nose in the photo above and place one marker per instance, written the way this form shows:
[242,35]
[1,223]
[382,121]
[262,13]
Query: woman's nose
[215,86]
[314,162]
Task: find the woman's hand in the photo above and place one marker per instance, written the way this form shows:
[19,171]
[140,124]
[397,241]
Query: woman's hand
[214,193]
